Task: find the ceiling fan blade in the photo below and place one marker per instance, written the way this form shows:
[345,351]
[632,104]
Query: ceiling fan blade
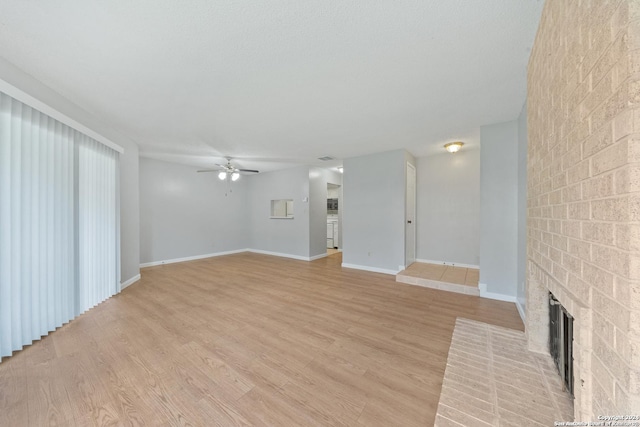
[222,166]
[248,170]
[209,170]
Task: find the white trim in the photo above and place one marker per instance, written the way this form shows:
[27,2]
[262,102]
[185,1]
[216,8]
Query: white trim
[453,264]
[130,282]
[190,258]
[492,295]
[237,251]
[415,206]
[523,315]
[367,268]
[280,254]
[401,267]
[32,102]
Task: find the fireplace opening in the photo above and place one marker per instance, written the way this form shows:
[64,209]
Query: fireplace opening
[561,341]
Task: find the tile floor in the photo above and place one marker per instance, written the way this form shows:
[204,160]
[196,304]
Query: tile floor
[492,379]
[444,277]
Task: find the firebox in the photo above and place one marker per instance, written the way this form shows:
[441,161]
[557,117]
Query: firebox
[561,341]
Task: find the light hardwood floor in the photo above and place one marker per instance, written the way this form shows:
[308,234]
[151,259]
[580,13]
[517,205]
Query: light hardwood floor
[443,273]
[246,339]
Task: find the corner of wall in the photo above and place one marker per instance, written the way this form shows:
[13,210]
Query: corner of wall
[486,293]
[498,207]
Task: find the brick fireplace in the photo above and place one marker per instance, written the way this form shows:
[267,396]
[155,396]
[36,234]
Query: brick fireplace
[583,202]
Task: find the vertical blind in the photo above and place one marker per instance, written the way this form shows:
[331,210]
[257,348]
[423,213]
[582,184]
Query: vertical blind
[59,224]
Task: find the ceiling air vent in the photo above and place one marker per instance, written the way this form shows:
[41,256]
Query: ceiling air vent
[326,158]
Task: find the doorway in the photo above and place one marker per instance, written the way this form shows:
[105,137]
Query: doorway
[334,218]
[410,217]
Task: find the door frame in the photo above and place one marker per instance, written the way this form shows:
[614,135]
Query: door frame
[415,184]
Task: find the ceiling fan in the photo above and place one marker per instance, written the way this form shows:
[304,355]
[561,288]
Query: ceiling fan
[228,171]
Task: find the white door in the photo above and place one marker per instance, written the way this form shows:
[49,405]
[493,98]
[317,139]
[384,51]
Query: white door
[410,213]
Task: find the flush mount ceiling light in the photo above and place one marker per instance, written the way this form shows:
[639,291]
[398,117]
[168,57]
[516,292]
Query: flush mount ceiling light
[453,147]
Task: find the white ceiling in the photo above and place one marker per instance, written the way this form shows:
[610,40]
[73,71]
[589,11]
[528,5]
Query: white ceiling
[280,82]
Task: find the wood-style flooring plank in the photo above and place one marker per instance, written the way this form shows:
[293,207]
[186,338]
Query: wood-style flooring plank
[247,339]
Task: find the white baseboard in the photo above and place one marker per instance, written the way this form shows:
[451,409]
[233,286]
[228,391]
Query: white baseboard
[453,264]
[521,310]
[373,269]
[130,282]
[190,258]
[237,251]
[283,255]
[492,295]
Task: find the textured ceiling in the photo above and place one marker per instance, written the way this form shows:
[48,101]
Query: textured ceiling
[277,83]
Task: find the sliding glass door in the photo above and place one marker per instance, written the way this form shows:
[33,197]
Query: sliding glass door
[59,224]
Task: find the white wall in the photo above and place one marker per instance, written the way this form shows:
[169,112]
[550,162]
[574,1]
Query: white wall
[129,212]
[522,207]
[374,211]
[448,207]
[129,203]
[283,236]
[318,180]
[187,214]
[499,208]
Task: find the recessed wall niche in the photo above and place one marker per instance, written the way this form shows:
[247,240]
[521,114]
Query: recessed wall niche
[282,209]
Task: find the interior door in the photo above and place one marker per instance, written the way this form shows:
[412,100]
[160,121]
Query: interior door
[410,214]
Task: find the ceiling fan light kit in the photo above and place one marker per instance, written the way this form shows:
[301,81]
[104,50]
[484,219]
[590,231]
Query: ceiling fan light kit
[229,172]
[224,175]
